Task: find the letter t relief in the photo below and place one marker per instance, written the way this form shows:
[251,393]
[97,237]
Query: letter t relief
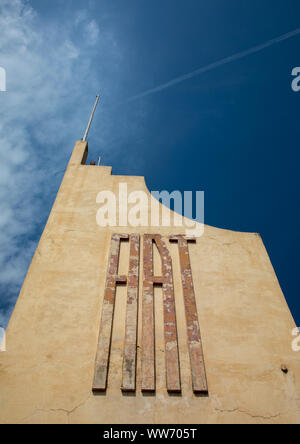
[191,315]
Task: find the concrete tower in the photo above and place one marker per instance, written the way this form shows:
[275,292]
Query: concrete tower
[106,327]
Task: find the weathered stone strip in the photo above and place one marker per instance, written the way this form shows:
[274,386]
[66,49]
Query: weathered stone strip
[104,342]
[170,329]
[193,329]
[130,345]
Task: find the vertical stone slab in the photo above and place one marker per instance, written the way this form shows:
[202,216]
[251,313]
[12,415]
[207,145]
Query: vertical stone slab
[104,342]
[170,328]
[130,344]
[193,329]
[148,327]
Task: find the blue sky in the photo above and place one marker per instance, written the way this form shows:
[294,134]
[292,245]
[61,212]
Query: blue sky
[232,131]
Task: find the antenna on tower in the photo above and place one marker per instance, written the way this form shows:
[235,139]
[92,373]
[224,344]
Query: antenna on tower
[91,119]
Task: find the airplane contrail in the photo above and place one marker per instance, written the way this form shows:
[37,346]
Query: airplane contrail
[214,65]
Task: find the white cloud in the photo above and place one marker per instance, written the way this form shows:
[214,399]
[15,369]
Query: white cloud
[92,32]
[50,85]
[80,16]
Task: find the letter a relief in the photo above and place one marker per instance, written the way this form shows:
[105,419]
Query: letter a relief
[170,329]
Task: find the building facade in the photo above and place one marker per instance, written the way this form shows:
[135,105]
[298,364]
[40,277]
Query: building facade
[144,325]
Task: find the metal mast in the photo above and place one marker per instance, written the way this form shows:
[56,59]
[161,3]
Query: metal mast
[91,119]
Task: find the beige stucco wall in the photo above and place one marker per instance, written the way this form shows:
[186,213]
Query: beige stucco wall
[46,374]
